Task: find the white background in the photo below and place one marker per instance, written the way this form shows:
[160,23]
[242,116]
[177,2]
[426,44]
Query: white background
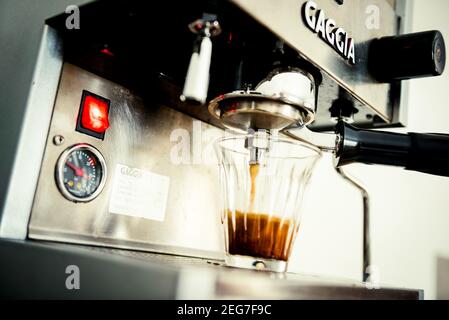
[409,211]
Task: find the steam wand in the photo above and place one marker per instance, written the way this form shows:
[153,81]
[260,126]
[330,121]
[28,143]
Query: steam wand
[329,143]
[366,221]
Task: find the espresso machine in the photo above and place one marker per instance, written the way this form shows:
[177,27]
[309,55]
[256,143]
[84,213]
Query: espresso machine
[135,95]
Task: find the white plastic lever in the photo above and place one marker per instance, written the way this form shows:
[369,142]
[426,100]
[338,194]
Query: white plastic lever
[197,79]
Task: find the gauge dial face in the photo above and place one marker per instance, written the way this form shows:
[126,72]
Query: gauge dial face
[81,172]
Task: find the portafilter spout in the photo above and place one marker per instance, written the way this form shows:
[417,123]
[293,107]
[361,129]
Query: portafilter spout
[258,144]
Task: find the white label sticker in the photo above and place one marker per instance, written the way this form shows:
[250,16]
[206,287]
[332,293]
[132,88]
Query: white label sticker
[139,193]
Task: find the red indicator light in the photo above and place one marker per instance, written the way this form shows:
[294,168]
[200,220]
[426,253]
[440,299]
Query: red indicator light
[95,114]
[93,117]
[107,52]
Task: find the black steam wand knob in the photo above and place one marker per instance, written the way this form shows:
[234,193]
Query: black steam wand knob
[407,56]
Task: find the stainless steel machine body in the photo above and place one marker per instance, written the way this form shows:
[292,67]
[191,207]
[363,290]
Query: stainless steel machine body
[139,136]
[142,137]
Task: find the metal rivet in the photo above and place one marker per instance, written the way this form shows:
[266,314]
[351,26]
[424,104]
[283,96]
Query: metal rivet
[58,140]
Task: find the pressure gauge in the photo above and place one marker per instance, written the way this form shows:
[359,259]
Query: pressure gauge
[81,173]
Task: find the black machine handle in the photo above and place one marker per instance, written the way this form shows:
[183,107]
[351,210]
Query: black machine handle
[428,153]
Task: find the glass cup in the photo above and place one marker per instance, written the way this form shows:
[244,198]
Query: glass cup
[263,179]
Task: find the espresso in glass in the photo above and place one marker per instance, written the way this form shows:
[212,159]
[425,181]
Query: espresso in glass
[262,199]
[260,235]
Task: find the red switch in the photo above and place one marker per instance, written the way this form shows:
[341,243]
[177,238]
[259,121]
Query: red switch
[93,117]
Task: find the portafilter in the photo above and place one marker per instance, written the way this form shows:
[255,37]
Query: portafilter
[285,102]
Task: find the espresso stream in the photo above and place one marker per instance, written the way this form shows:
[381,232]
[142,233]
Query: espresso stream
[259,234]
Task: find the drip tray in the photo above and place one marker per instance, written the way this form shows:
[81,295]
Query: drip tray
[122,274]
